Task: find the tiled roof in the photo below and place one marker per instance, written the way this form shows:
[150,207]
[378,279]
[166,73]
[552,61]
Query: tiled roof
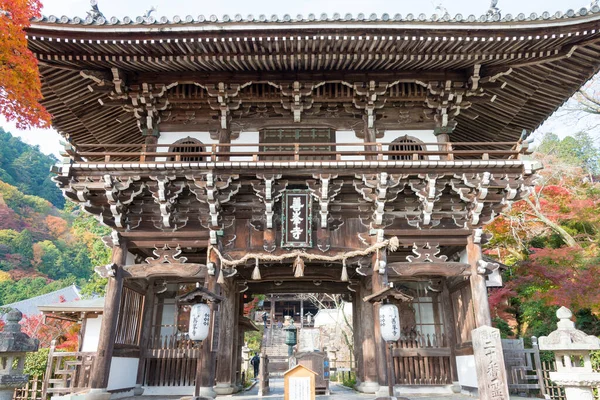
[30,306]
[337,18]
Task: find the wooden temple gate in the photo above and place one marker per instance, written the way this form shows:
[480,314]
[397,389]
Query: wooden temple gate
[354,157]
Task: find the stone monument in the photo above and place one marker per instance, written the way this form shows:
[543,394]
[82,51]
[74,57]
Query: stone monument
[489,363]
[571,349]
[13,346]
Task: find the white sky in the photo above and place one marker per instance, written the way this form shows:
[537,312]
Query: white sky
[48,140]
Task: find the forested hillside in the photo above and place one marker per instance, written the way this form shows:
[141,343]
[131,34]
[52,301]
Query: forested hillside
[26,168]
[44,244]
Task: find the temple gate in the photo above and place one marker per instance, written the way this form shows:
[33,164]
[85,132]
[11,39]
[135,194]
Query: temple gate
[343,155]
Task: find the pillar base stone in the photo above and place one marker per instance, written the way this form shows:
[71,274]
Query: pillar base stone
[224,388]
[138,390]
[368,387]
[97,394]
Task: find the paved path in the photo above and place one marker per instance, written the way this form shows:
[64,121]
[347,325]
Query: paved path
[338,392]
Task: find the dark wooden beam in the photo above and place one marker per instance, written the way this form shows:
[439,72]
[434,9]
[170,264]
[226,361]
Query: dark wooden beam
[297,287]
[289,76]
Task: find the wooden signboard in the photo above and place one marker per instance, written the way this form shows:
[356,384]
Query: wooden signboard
[296,219]
[319,363]
[299,383]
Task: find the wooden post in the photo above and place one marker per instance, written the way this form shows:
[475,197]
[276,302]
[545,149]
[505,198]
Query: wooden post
[205,370]
[379,282]
[368,345]
[146,332]
[263,375]
[235,357]
[357,334]
[449,327]
[481,305]
[301,313]
[444,138]
[224,138]
[108,330]
[227,327]
[272,312]
[150,142]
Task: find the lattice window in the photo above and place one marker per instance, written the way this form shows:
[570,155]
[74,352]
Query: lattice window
[129,324]
[406,143]
[187,145]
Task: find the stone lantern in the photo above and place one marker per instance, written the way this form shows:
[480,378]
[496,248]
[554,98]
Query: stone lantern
[13,346]
[572,348]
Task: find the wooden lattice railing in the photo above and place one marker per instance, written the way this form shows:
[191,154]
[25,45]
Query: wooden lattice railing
[31,391]
[161,153]
[171,361]
[422,359]
[67,372]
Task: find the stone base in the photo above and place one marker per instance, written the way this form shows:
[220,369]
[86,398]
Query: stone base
[97,394]
[224,388]
[138,390]
[368,387]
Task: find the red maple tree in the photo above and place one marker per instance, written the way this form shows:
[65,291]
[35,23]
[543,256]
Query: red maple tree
[20,86]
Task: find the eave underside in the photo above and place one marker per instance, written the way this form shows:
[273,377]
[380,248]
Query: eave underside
[533,71]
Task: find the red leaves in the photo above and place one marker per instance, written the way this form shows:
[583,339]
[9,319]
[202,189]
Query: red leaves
[20,86]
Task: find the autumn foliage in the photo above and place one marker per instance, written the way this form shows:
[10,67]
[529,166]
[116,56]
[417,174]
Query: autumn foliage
[20,87]
[551,241]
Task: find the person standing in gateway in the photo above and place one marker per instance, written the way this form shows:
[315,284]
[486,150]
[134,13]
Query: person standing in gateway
[255,362]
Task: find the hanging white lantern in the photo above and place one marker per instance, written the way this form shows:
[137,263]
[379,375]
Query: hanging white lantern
[389,321]
[199,321]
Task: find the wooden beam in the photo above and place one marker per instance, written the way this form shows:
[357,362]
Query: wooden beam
[297,287]
[148,271]
[446,269]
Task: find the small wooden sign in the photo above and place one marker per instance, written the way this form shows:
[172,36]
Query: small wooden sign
[299,383]
[296,219]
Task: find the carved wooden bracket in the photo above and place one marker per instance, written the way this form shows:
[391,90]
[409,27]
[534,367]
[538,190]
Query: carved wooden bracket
[426,253]
[165,190]
[379,189]
[214,191]
[428,189]
[269,190]
[369,97]
[324,191]
[223,99]
[297,98]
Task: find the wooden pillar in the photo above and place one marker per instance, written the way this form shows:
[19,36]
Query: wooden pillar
[444,138]
[449,327]
[478,287]
[301,313]
[108,329]
[146,332]
[235,357]
[227,329]
[379,282]
[369,137]
[150,142]
[272,310]
[367,321]
[357,334]
[224,138]
[205,370]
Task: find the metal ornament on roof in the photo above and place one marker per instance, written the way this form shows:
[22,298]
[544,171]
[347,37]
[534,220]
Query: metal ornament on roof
[199,322]
[389,322]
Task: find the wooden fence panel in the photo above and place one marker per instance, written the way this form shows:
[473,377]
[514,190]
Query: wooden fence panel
[31,391]
[171,361]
